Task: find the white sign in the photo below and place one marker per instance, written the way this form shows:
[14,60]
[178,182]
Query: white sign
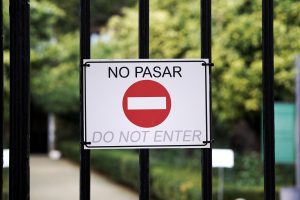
[5,158]
[223,158]
[146,103]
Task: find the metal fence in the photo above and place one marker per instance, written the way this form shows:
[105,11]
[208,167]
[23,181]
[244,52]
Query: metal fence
[19,98]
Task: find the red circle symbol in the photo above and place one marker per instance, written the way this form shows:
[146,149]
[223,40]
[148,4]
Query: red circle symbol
[146,103]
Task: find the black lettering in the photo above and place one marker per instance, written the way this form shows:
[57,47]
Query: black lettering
[167,72]
[114,72]
[147,72]
[156,72]
[124,72]
[176,70]
[138,70]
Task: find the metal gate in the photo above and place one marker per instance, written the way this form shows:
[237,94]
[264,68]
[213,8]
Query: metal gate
[19,98]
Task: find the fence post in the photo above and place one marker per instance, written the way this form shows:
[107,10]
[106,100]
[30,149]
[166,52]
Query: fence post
[268,99]
[84,54]
[144,53]
[19,100]
[206,53]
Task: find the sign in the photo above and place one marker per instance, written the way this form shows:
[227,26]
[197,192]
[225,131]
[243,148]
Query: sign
[146,103]
[222,158]
[284,124]
[5,158]
[285,119]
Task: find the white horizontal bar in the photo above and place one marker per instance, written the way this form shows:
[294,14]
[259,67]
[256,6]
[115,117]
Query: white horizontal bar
[146,103]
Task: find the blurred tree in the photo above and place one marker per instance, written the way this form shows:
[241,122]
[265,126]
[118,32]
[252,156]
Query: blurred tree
[236,83]
[101,11]
[54,27]
[54,59]
[44,16]
[55,86]
[174,33]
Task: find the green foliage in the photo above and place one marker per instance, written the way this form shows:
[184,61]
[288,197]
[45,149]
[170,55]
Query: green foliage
[5,24]
[44,16]
[101,10]
[176,181]
[173,183]
[122,166]
[5,184]
[237,54]
[174,33]
[54,46]
[54,60]
[55,82]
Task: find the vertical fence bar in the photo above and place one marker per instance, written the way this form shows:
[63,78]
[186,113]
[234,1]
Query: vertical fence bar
[206,53]
[297,91]
[19,100]
[2,107]
[84,54]
[268,99]
[144,53]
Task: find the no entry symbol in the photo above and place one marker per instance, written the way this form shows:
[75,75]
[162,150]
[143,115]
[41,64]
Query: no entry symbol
[146,103]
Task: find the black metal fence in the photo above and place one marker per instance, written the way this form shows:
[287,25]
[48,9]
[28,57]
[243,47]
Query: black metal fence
[19,98]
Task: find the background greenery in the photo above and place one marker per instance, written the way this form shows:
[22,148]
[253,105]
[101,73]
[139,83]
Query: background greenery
[174,33]
[176,176]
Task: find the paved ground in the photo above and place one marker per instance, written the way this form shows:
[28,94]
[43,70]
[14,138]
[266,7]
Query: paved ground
[58,180]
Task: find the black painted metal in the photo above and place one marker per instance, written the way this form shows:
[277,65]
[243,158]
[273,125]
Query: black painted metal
[268,99]
[1,116]
[143,28]
[206,53]
[144,53]
[19,100]
[144,174]
[84,54]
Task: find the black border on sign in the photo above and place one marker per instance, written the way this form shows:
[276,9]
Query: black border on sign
[203,63]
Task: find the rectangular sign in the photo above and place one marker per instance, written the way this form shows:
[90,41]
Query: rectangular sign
[285,123]
[146,103]
[222,158]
